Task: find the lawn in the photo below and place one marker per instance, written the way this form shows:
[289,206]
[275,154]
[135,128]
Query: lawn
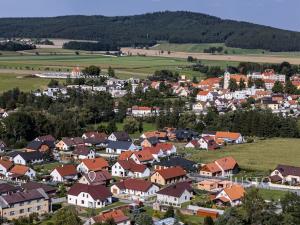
[261,156]
[272,194]
[23,82]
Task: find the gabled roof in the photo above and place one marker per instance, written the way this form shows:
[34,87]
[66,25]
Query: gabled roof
[186,164]
[66,170]
[100,177]
[119,144]
[95,135]
[211,167]
[227,163]
[82,150]
[171,172]
[35,185]
[166,146]
[229,135]
[28,156]
[153,150]
[176,190]
[95,164]
[97,192]
[235,192]
[286,170]
[6,164]
[19,169]
[135,184]
[36,145]
[121,136]
[143,156]
[132,166]
[125,155]
[117,215]
[6,188]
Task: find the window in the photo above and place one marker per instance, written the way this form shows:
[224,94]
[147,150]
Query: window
[82,201]
[29,210]
[12,213]
[21,211]
[38,207]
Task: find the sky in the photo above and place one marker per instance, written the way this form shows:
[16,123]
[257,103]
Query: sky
[277,13]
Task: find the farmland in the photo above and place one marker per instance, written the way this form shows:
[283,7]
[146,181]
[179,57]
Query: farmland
[261,156]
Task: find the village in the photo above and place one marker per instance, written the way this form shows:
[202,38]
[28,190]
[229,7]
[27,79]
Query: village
[112,174]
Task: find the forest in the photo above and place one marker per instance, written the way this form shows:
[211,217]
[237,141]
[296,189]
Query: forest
[15,46]
[147,29]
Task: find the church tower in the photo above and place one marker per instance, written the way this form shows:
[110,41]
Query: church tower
[226,80]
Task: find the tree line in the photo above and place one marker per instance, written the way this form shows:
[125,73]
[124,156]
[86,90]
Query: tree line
[145,30]
[15,46]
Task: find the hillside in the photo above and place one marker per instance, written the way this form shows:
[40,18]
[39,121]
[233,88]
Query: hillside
[146,29]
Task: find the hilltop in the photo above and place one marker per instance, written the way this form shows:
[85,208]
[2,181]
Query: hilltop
[147,29]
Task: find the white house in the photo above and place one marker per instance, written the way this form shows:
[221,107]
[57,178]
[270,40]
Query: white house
[64,173]
[134,189]
[128,168]
[24,158]
[21,170]
[285,173]
[83,152]
[117,147]
[232,195]
[119,136]
[5,165]
[204,96]
[144,111]
[96,164]
[89,196]
[175,195]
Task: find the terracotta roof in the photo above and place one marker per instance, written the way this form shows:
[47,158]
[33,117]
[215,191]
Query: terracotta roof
[19,169]
[227,134]
[125,155]
[66,170]
[238,77]
[117,215]
[165,146]
[171,172]
[96,135]
[235,192]
[211,167]
[176,190]
[210,81]
[227,163]
[153,150]
[95,164]
[135,184]
[132,166]
[141,108]
[143,155]
[6,164]
[158,134]
[97,192]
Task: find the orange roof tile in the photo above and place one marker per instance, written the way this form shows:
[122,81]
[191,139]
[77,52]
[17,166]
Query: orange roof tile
[6,164]
[172,172]
[235,192]
[19,169]
[66,170]
[125,155]
[227,163]
[227,134]
[95,164]
[143,155]
[117,215]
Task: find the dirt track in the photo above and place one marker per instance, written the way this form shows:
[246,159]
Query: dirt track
[204,56]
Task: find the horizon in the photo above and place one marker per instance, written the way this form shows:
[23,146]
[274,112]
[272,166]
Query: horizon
[282,14]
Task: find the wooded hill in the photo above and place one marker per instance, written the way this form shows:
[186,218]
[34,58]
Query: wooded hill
[146,29]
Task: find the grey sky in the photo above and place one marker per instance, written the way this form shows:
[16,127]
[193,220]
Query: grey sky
[278,13]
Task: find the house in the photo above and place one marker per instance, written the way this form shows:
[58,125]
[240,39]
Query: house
[204,96]
[31,185]
[193,144]
[89,196]
[144,111]
[119,136]
[160,135]
[213,184]
[175,194]
[42,146]
[64,173]
[96,164]
[143,157]
[168,176]
[95,139]
[186,164]
[83,152]
[285,174]
[149,142]
[156,152]
[21,170]
[116,215]
[5,166]
[65,144]
[96,178]
[25,158]
[231,195]
[49,138]
[134,189]
[222,167]
[185,134]
[229,137]
[22,204]
[117,147]
[167,148]
[208,143]
[128,168]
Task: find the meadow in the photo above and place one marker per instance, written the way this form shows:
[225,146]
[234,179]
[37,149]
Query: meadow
[259,157]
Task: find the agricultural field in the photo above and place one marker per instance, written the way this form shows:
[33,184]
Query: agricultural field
[254,158]
[23,82]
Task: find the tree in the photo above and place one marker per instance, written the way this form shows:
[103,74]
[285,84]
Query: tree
[93,71]
[278,87]
[232,85]
[67,216]
[53,83]
[208,221]
[250,82]
[131,125]
[111,126]
[170,212]
[143,219]
[141,128]
[290,88]
[242,84]
[111,72]
[259,83]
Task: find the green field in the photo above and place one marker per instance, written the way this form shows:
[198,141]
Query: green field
[24,83]
[261,156]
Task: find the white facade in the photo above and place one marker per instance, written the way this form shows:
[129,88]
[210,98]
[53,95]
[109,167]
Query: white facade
[135,194]
[86,200]
[119,171]
[18,159]
[56,177]
[174,201]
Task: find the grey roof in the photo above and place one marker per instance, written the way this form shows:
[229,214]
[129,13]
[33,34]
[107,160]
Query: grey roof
[27,156]
[187,165]
[119,144]
[122,136]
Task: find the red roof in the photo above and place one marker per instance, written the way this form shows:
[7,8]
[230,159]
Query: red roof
[165,146]
[125,155]
[66,170]
[227,163]
[143,156]
[132,166]
[135,184]
[172,172]
[19,169]
[176,190]
[6,164]
[117,215]
[95,164]
[97,192]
